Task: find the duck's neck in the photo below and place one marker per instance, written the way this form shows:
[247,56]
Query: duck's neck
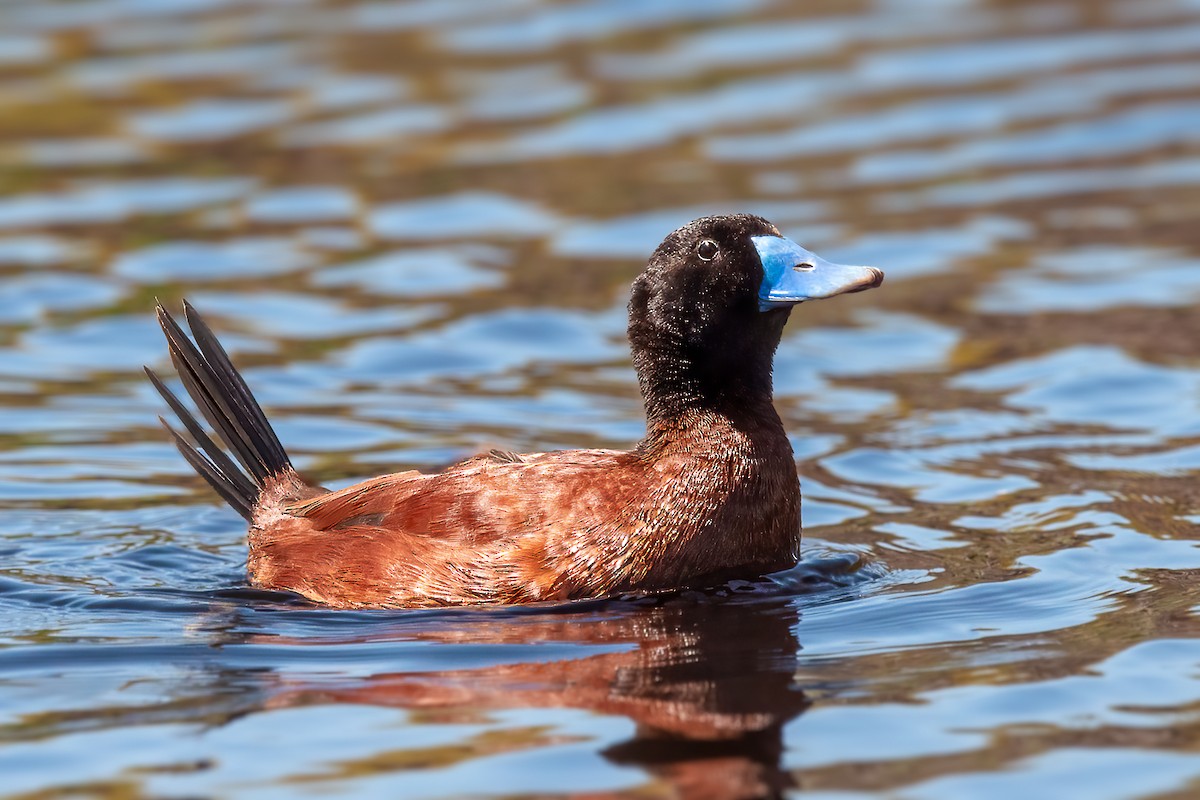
[725,494]
[679,400]
[700,363]
[679,388]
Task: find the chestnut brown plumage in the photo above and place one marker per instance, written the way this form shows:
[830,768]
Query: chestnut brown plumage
[709,494]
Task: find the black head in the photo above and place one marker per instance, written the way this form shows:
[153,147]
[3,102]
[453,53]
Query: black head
[708,311]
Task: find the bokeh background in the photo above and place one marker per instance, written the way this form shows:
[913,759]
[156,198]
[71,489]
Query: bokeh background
[414,224]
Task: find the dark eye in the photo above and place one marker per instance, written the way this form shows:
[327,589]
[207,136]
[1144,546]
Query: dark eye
[707,250]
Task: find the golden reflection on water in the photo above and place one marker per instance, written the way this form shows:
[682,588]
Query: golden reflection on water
[708,717]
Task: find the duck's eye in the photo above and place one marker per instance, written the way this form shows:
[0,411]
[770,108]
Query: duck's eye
[804,266]
[707,250]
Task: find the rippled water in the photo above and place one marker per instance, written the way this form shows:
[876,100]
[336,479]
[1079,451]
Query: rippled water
[415,224]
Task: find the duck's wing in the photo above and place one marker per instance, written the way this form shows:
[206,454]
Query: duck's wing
[481,531]
[484,497]
[363,504]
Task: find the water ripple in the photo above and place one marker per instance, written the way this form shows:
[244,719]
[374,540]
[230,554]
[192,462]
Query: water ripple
[414,226]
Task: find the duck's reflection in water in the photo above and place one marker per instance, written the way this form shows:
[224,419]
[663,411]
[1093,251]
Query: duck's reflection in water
[709,683]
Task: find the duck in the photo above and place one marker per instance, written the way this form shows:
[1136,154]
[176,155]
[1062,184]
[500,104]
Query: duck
[709,494]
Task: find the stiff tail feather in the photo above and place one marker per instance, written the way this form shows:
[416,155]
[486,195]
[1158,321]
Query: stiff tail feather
[226,403]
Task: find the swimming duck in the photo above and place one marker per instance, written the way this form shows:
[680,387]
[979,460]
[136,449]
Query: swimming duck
[710,494]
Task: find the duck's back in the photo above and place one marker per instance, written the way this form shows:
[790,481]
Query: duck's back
[544,526]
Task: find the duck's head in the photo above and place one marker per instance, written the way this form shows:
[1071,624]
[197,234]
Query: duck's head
[708,311]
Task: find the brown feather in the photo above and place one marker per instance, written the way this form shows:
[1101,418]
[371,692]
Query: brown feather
[709,494]
[708,504]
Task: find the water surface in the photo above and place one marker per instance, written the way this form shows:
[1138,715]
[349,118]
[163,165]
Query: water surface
[414,225]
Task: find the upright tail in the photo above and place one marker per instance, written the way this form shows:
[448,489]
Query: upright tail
[226,403]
